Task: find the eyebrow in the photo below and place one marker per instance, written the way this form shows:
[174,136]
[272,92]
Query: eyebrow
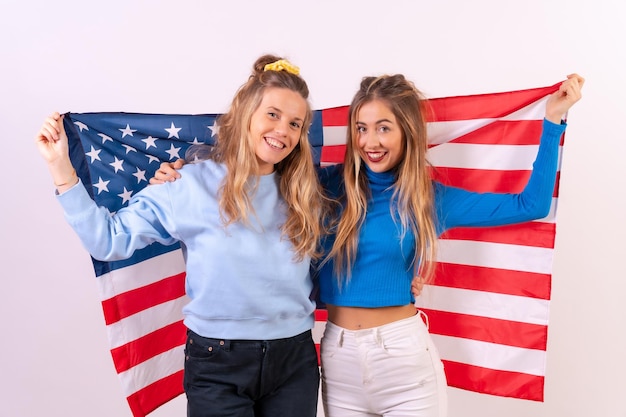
[377,122]
[281,112]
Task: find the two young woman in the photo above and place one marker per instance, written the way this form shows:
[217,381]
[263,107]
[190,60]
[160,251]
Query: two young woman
[377,355]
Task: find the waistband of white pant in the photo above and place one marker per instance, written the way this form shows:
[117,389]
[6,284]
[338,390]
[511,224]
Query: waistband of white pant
[338,333]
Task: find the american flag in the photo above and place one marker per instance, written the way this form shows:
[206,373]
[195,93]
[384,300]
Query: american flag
[488,306]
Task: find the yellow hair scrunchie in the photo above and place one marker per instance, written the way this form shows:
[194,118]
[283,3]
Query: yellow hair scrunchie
[282,65]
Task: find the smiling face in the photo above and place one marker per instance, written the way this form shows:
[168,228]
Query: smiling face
[379,136]
[276,126]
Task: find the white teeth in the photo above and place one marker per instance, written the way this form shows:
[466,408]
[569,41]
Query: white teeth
[274,143]
[376,155]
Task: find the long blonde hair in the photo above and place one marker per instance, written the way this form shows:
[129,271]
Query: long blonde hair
[413,189]
[299,184]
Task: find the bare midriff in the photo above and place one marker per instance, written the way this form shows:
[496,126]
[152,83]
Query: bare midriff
[357,318]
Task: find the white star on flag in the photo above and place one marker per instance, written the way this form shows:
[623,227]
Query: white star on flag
[81,126]
[152,158]
[150,142]
[106,138]
[102,185]
[127,131]
[173,152]
[125,195]
[140,175]
[94,154]
[173,131]
[214,129]
[117,164]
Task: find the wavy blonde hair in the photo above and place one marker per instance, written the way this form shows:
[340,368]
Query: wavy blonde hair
[413,189]
[299,185]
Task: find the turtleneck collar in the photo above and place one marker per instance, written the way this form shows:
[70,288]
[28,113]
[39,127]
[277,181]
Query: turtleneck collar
[380,179]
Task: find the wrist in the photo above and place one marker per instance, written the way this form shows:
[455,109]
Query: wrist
[67,181]
[63,174]
[554,118]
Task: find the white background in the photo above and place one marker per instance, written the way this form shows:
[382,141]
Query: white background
[190,56]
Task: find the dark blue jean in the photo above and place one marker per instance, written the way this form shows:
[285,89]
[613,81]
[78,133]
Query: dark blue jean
[251,378]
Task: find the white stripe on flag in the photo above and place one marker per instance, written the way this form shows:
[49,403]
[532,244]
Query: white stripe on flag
[485,304]
[334,135]
[534,111]
[480,156]
[318,331]
[491,355]
[492,157]
[444,132]
[146,321]
[152,370]
[144,273]
[496,255]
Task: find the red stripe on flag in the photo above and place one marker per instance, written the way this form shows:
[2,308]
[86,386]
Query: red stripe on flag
[337,116]
[321,314]
[156,394]
[482,180]
[505,132]
[500,281]
[131,302]
[536,234]
[494,382]
[319,354]
[484,106]
[486,181]
[486,329]
[333,154]
[141,349]
[556,184]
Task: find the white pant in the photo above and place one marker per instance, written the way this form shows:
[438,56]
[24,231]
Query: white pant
[391,370]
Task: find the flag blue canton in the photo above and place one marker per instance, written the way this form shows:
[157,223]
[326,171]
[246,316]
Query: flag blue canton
[316,136]
[122,151]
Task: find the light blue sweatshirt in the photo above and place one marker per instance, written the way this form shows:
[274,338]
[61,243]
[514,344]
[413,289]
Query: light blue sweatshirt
[243,282]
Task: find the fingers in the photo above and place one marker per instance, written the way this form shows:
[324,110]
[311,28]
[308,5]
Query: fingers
[578,78]
[564,98]
[52,144]
[154,181]
[51,128]
[160,177]
[572,87]
[417,285]
[167,172]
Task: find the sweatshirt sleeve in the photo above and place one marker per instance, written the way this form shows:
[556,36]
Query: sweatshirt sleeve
[110,237]
[456,207]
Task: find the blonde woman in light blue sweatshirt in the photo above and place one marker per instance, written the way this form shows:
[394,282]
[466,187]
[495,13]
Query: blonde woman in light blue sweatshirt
[249,238]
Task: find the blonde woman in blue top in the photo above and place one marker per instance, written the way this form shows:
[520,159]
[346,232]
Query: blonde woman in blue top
[249,238]
[377,356]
